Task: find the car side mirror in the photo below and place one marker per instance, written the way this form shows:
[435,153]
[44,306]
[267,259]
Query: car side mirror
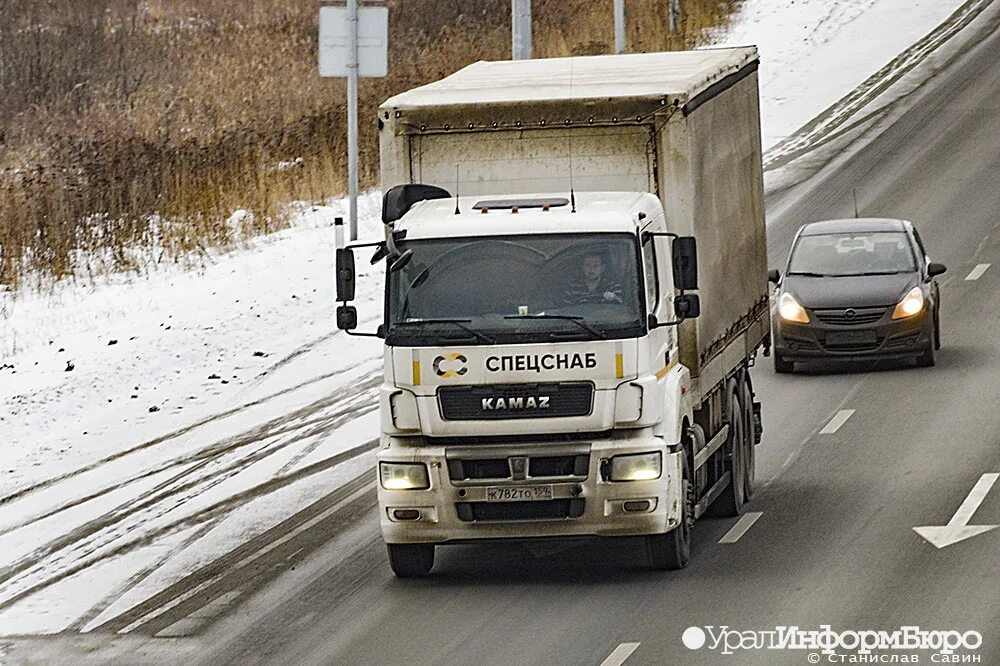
[345,274]
[935,269]
[687,306]
[774,276]
[347,317]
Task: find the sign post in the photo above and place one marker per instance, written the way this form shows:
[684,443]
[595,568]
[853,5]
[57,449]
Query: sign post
[353,42]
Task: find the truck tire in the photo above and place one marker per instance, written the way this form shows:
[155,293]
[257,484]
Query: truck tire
[411,560]
[750,460]
[730,502]
[782,366]
[671,551]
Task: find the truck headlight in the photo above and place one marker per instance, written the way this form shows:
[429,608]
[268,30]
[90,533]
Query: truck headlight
[403,476]
[790,310]
[640,467]
[912,304]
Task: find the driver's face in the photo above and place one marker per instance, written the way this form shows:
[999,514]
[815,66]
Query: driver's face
[593,268]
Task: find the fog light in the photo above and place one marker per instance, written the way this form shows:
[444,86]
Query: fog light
[636,506]
[640,467]
[403,476]
[406,514]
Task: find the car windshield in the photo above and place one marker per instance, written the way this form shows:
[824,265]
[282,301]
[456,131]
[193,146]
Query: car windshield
[516,289]
[875,253]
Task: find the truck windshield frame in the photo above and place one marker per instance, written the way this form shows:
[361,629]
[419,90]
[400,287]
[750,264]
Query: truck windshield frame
[517,289]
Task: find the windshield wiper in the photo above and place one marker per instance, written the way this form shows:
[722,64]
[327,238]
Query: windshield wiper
[460,323]
[808,274]
[881,273]
[576,320]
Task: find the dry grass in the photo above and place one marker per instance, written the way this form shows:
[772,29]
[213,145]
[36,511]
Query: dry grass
[128,124]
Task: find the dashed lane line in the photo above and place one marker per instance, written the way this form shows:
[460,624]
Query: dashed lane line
[838,420]
[741,527]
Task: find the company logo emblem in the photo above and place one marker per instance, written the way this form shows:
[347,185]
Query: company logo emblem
[450,365]
[514,404]
[850,313]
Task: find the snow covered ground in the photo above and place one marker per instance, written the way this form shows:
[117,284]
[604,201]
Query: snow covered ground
[151,424]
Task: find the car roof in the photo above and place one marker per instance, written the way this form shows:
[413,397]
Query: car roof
[854,225]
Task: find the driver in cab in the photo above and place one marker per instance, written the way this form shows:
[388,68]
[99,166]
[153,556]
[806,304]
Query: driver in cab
[593,284]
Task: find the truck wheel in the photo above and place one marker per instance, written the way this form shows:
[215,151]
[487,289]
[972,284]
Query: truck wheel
[782,366]
[730,502]
[926,359]
[750,460]
[671,551]
[411,560]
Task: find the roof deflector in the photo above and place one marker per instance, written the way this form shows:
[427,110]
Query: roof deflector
[399,199]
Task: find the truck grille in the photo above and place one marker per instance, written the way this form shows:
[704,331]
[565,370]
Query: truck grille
[475,469]
[558,509]
[850,316]
[515,401]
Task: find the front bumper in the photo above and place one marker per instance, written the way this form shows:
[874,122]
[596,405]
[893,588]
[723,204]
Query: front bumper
[455,510]
[884,338]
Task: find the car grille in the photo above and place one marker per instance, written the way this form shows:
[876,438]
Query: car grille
[510,511]
[476,469]
[515,401]
[854,346]
[850,316]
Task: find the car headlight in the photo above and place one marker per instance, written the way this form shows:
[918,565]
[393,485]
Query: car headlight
[403,476]
[912,304]
[790,310]
[640,467]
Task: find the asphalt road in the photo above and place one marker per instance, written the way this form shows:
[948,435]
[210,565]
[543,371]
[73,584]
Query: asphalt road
[834,544]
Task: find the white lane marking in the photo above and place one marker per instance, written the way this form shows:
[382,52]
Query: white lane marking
[838,420]
[741,527]
[975,498]
[958,528]
[977,272]
[621,653]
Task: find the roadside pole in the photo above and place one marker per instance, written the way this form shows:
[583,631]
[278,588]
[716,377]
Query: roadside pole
[352,116]
[619,26]
[520,29]
[353,42]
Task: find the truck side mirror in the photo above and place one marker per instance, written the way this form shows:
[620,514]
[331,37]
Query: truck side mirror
[934,269]
[401,261]
[687,306]
[684,252]
[347,317]
[345,276]
[774,276]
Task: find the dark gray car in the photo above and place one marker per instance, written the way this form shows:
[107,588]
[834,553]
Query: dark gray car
[856,289]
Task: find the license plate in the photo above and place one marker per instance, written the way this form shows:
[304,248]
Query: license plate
[850,337]
[519,494]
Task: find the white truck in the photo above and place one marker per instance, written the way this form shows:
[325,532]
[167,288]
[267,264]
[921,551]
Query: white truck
[558,362]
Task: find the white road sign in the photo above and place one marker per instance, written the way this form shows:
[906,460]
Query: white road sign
[373,41]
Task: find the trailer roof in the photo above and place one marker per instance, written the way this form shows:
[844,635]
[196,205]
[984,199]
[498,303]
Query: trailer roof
[680,74]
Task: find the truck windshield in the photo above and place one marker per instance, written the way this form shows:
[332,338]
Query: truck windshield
[538,288]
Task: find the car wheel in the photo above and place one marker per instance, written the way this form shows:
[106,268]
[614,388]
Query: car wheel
[937,328]
[926,359]
[782,365]
[411,560]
